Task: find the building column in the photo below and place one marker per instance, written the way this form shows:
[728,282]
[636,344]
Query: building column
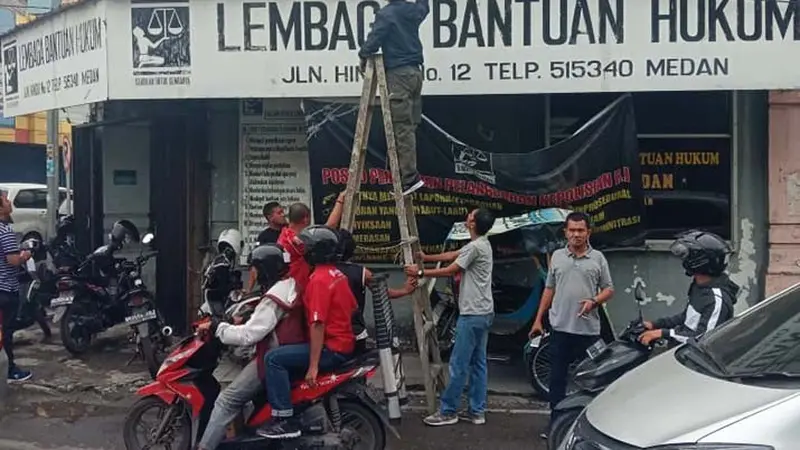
[784,191]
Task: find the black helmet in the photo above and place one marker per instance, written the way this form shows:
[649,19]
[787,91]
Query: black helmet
[66,225]
[122,231]
[321,244]
[347,245]
[270,262]
[702,253]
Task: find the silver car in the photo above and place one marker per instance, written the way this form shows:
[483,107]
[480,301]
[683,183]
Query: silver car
[737,388]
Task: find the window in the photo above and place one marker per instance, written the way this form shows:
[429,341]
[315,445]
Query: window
[31,199]
[685,151]
[762,340]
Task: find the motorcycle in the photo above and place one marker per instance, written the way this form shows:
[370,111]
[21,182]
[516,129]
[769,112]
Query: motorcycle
[337,413]
[605,363]
[104,291]
[520,269]
[31,307]
[223,297]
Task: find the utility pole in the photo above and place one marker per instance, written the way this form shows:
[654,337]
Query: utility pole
[53,162]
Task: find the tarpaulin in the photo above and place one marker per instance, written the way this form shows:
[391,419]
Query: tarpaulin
[596,170]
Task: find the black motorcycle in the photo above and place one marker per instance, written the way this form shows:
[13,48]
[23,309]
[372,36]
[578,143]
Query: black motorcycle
[104,291]
[40,275]
[604,364]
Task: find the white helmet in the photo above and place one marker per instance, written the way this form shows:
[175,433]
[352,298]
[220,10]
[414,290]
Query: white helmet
[231,238]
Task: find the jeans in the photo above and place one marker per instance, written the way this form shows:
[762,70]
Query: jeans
[229,403]
[405,97]
[9,304]
[468,359]
[291,362]
[565,348]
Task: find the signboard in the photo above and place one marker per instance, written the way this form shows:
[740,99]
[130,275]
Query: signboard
[56,62]
[274,162]
[286,48]
[596,170]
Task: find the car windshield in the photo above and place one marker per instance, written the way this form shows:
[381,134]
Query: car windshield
[765,339]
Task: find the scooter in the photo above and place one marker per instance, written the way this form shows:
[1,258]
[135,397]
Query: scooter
[604,364]
[337,413]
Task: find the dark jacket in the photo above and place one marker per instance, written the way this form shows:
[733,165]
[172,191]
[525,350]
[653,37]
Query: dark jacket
[710,305]
[396,31]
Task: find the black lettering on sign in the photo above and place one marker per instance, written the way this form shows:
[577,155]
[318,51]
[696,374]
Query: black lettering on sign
[83,37]
[687,67]
[297,26]
[724,20]
[462,23]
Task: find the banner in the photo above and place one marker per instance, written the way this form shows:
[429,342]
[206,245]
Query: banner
[309,48]
[596,170]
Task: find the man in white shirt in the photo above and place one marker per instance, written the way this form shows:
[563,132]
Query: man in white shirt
[279,306]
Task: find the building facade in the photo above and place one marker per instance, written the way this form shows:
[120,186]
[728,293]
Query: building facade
[714,129]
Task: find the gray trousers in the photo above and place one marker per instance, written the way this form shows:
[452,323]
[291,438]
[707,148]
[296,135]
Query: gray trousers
[229,403]
[405,96]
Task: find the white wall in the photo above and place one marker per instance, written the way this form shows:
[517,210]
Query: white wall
[126,147]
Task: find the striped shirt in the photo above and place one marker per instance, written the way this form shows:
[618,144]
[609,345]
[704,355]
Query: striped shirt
[8,246]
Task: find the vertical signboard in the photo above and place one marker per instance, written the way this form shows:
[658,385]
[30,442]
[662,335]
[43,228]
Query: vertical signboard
[274,161]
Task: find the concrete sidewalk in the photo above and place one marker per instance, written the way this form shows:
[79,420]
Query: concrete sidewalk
[102,378]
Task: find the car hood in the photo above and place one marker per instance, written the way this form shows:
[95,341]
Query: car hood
[663,402]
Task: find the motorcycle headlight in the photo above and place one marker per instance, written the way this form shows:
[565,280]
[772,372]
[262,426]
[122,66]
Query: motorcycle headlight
[712,446]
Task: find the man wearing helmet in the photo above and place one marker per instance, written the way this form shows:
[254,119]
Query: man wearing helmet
[329,305]
[274,322]
[711,294]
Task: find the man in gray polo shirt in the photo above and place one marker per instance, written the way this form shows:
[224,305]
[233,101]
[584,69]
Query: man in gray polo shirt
[578,283]
[476,311]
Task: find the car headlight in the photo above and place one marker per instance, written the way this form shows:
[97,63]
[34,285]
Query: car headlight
[711,446]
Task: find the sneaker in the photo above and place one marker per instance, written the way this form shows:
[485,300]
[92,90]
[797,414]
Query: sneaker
[475,419]
[439,419]
[279,429]
[412,187]
[17,375]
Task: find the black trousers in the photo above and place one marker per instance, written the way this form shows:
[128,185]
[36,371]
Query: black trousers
[565,348]
[9,304]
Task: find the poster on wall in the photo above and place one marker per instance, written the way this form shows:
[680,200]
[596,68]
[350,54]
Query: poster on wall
[56,62]
[303,48]
[596,170]
[274,161]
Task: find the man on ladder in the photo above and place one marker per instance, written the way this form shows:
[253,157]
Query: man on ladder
[396,32]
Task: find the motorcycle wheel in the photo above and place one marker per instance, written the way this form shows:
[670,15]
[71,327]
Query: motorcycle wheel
[539,371]
[177,433]
[76,345]
[560,427]
[368,428]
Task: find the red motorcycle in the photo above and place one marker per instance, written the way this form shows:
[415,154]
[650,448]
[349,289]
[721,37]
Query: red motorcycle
[337,413]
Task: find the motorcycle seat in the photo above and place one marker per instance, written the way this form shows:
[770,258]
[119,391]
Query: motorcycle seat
[366,358]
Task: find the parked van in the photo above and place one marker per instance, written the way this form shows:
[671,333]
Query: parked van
[736,388]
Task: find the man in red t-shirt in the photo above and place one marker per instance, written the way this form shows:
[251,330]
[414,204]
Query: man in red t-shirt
[299,218]
[330,305]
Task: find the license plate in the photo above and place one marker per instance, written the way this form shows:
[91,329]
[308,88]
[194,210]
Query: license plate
[63,299]
[596,349]
[59,313]
[141,317]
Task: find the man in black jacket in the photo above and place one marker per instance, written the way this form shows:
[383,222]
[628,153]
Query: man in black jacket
[711,295]
[396,32]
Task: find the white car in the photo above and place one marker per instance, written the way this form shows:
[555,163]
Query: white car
[30,208]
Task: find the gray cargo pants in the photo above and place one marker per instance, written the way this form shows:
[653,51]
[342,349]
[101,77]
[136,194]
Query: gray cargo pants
[229,403]
[405,95]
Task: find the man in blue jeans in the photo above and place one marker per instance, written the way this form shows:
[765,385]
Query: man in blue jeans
[329,305]
[476,311]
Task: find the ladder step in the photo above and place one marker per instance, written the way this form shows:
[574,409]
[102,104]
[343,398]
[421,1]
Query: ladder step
[428,327]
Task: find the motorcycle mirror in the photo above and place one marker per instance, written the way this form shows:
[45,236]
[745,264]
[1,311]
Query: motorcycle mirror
[148,238]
